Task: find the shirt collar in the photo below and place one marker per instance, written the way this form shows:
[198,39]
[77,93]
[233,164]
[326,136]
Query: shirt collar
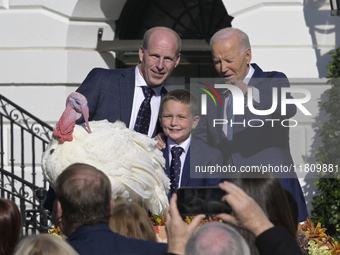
[185,145]
[249,75]
[140,82]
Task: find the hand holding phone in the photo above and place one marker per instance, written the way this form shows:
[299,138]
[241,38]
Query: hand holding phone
[201,200]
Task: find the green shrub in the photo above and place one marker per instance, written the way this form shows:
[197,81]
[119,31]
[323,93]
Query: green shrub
[326,205]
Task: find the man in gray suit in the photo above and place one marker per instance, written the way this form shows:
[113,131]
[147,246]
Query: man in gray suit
[118,94]
[84,206]
[262,143]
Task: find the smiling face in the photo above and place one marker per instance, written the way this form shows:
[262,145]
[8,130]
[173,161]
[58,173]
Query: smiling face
[229,61]
[158,60]
[176,121]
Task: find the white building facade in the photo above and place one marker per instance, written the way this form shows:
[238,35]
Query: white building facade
[47,48]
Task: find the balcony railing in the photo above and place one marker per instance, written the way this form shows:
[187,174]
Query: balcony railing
[23,138]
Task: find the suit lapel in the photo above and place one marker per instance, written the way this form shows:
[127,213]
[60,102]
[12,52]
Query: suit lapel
[186,169]
[166,156]
[254,81]
[127,89]
[258,73]
[158,128]
[163,92]
[220,114]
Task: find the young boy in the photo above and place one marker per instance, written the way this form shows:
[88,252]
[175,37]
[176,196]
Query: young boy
[178,117]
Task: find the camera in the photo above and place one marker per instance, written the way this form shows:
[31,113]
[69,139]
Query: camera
[201,200]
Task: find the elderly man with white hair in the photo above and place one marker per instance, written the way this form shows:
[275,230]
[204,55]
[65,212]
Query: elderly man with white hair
[246,213]
[217,238]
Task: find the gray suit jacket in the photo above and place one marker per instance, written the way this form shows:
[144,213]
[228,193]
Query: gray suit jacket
[264,145]
[110,93]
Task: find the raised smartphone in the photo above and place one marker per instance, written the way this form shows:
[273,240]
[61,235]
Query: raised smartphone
[201,200]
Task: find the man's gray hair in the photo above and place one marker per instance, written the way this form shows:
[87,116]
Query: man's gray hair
[229,32]
[216,238]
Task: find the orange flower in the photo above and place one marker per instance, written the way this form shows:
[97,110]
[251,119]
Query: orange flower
[55,230]
[336,248]
[211,218]
[311,232]
[157,220]
[318,234]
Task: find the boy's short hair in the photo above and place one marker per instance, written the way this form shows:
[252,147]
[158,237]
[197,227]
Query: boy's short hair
[183,96]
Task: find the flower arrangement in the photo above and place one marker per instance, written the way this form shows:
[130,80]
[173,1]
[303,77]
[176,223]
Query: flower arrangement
[314,240]
[57,232]
[209,218]
[157,220]
[159,223]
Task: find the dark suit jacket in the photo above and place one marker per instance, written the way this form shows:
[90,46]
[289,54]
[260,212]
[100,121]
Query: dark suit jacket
[275,241]
[99,239]
[199,154]
[252,145]
[267,144]
[278,241]
[110,93]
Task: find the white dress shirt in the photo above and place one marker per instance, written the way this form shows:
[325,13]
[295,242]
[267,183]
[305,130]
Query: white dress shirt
[185,146]
[256,98]
[138,99]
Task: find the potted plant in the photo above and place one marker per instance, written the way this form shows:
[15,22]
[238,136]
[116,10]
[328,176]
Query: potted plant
[326,205]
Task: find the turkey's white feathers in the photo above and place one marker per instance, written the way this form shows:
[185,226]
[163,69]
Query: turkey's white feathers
[131,161]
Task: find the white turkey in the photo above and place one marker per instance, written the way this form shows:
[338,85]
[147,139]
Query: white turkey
[130,159]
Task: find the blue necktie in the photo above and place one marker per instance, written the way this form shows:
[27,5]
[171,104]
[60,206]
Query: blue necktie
[230,117]
[175,168]
[144,113]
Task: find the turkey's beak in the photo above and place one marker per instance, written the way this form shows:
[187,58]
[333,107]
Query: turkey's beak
[85,112]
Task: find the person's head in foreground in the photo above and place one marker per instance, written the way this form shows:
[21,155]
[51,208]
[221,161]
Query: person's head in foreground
[44,244]
[271,197]
[269,194]
[10,226]
[131,220]
[216,238]
[84,197]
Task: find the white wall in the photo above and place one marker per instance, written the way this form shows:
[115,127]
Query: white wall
[48,47]
[294,37]
[291,36]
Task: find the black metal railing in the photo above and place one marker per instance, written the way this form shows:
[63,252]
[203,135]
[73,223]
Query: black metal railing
[23,138]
